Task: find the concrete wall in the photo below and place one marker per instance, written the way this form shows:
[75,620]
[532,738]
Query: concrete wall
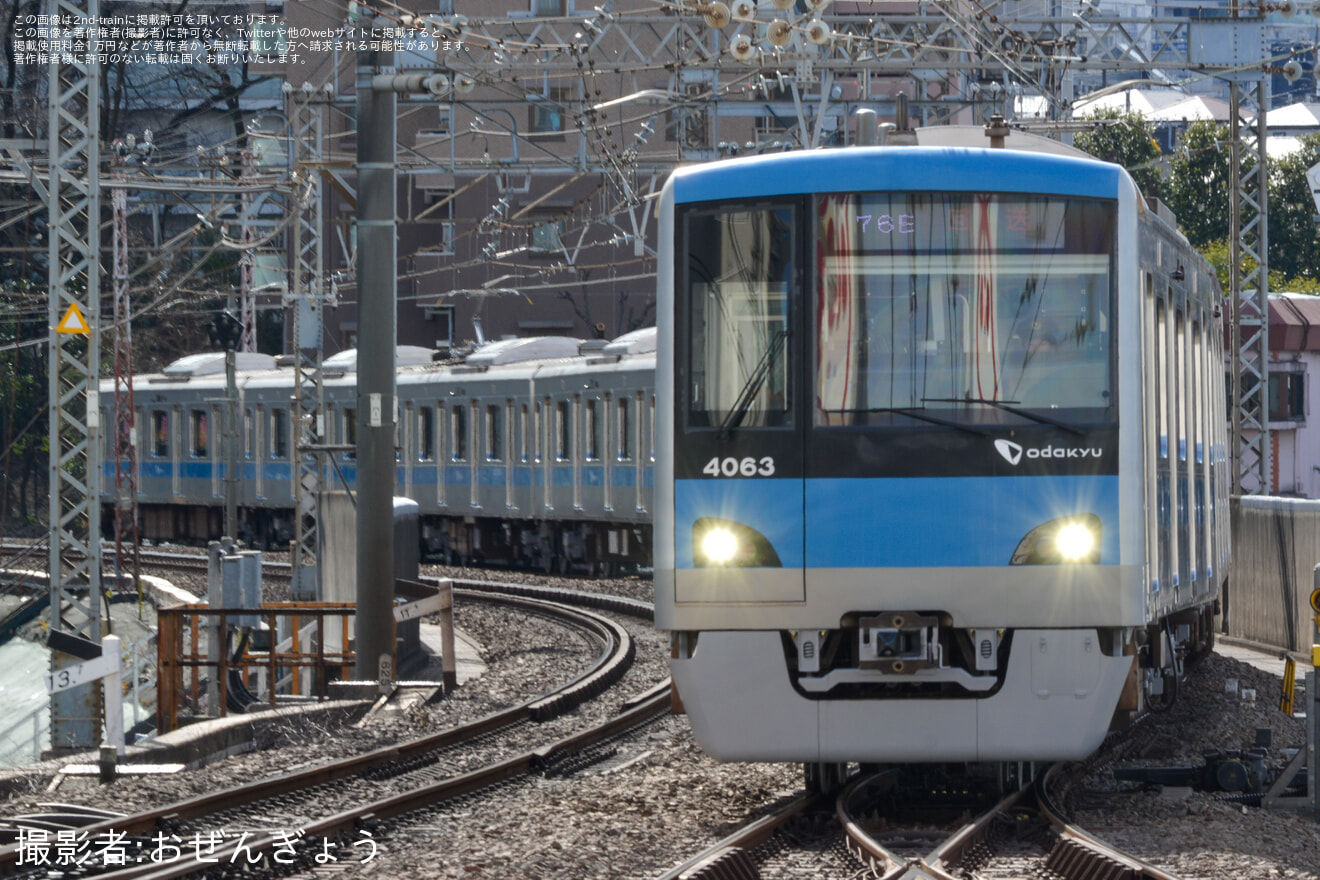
[1276,546]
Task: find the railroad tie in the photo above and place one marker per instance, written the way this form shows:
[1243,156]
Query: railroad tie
[1073,859]
[728,864]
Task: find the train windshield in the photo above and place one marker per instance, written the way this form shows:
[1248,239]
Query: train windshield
[740,272]
[977,303]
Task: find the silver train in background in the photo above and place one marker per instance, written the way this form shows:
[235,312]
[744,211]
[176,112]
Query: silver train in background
[530,452]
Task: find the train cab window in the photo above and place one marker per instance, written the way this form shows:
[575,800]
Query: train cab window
[494,434]
[199,433]
[563,431]
[160,433]
[458,433]
[739,276]
[623,431]
[425,434]
[591,434]
[965,304]
[279,433]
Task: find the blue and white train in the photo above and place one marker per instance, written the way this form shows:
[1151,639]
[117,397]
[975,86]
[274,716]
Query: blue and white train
[533,452]
[942,467]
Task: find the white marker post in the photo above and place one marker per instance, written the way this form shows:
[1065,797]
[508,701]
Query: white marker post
[106,667]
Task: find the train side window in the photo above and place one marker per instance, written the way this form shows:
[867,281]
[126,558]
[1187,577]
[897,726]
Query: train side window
[624,431]
[458,433]
[523,425]
[1180,382]
[538,425]
[279,433]
[1198,392]
[160,433]
[350,432]
[199,433]
[249,433]
[494,433]
[425,434]
[591,436]
[563,429]
[651,429]
[1161,378]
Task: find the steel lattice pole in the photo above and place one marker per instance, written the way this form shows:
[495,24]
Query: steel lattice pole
[73,210]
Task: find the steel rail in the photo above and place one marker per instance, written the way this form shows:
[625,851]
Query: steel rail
[729,857]
[424,797]
[615,657]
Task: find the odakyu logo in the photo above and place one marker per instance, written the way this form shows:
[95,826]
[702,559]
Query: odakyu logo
[1013,452]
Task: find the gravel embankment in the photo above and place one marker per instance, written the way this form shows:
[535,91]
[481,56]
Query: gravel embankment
[659,799]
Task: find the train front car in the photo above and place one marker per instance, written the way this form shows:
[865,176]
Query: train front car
[902,522]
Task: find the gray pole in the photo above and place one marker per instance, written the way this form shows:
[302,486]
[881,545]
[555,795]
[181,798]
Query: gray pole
[375,389]
[231,445]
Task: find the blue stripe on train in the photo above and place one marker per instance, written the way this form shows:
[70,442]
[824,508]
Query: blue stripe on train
[896,523]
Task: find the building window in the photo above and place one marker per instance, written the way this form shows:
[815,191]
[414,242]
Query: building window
[548,113]
[442,318]
[547,237]
[1287,397]
[199,434]
[279,433]
[160,433]
[269,38]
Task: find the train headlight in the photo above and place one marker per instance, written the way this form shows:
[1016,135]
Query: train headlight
[1069,540]
[719,546]
[723,543]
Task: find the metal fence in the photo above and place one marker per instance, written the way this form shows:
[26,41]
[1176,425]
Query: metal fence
[1276,546]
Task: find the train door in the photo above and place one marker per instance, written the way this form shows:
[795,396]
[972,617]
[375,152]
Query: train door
[738,463]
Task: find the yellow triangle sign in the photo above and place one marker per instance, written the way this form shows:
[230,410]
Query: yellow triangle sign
[73,322]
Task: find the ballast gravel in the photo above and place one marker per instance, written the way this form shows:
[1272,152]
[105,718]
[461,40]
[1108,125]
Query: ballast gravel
[654,799]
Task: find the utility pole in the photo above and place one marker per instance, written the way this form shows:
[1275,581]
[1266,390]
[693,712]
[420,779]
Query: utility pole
[124,416]
[73,203]
[308,298]
[376,403]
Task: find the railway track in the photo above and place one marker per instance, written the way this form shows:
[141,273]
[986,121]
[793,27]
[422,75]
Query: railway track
[332,802]
[1023,835]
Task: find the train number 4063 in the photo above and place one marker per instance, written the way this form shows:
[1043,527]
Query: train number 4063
[740,467]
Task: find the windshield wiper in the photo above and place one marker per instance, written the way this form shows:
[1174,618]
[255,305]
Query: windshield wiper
[919,413]
[1017,411]
[743,404]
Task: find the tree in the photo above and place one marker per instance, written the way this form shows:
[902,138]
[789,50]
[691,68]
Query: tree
[1200,178]
[1125,139]
[1294,234]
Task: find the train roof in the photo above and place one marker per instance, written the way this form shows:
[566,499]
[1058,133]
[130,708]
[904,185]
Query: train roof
[943,160]
[346,361]
[213,362]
